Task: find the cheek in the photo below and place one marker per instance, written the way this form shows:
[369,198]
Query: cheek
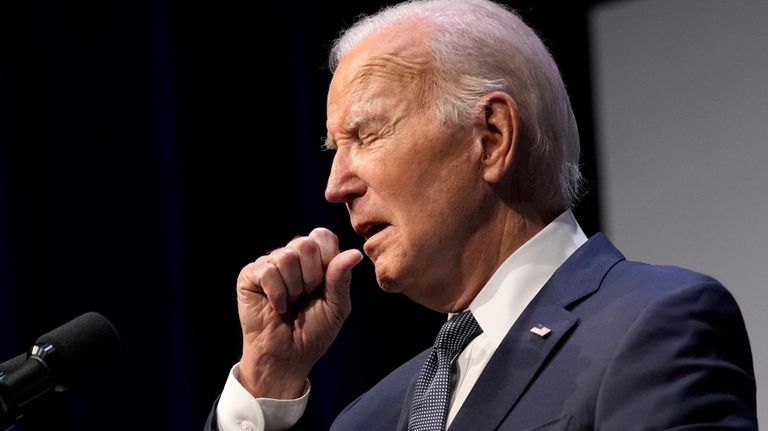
[400,184]
[450,209]
[435,216]
[430,195]
[418,180]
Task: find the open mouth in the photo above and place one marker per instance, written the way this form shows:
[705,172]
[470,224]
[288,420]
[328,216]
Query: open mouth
[373,229]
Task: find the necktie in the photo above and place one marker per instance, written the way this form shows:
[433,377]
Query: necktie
[429,407]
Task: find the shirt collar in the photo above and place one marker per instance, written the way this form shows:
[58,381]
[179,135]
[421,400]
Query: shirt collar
[522,275]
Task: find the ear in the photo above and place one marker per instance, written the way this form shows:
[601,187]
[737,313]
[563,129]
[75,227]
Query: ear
[499,131]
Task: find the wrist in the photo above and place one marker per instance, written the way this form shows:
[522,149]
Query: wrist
[265,379]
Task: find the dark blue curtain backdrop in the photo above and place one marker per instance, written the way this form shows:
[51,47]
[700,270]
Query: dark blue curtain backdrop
[148,150]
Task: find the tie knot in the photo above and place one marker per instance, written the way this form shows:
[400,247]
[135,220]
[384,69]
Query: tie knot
[457,332]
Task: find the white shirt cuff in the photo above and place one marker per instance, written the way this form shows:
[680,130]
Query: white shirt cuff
[238,410]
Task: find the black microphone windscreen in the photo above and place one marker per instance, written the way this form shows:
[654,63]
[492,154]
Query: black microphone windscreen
[82,346]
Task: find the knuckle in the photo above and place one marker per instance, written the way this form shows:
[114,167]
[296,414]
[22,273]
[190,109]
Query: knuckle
[246,276]
[285,256]
[323,234]
[267,270]
[304,246]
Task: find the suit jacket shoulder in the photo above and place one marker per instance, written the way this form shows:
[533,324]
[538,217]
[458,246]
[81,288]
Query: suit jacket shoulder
[633,346]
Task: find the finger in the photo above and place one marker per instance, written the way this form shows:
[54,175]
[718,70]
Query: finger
[262,278]
[327,242]
[288,264]
[338,278]
[312,272]
[271,283]
[249,278]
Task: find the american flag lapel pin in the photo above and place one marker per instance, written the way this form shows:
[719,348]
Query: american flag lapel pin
[541,330]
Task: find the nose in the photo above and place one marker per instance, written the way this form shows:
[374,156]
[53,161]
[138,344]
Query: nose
[344,185]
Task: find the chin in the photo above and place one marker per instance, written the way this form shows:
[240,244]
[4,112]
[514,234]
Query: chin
[387,283]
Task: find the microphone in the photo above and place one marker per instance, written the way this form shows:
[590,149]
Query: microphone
[58,359]
[11,364]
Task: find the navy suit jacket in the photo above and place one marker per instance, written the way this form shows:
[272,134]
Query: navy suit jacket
[632,347]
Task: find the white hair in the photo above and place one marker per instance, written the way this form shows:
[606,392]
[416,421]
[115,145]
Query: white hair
[480,46]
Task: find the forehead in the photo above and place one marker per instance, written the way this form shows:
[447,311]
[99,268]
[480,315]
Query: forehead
[394,58]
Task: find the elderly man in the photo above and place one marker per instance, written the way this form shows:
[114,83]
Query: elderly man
[456,155]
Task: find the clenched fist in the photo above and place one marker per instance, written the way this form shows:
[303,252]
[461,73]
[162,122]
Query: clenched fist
[292,303]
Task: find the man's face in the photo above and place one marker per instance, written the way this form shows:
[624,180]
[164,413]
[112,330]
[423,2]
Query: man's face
[411,184]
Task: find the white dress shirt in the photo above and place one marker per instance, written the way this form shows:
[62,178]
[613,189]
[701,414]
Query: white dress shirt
[496,308]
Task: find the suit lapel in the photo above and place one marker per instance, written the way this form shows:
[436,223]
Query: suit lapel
[514,365]
[402,423]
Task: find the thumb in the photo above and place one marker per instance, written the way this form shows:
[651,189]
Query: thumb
[337,279]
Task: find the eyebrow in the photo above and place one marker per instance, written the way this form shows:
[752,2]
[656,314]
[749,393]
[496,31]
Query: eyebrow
[328,144]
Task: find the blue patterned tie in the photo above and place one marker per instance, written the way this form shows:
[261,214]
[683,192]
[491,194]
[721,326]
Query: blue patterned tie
[429,408]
